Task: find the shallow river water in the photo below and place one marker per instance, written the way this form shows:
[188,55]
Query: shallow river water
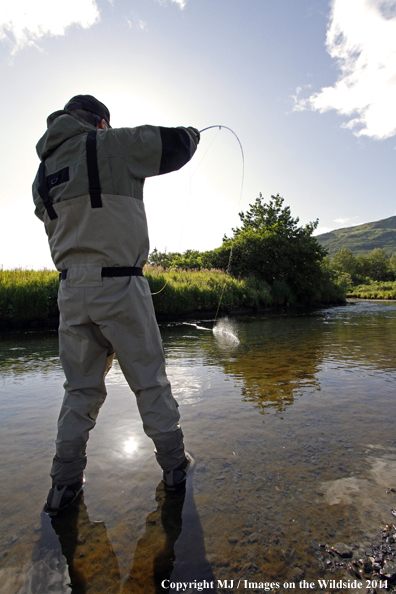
[293,433]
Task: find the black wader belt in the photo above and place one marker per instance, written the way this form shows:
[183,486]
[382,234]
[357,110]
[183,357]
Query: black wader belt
[43,191]
[93,170]
[112,271]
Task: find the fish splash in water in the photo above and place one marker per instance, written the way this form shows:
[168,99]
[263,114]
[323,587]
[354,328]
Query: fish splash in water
[226,332]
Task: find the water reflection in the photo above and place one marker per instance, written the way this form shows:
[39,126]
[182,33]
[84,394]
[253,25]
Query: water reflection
[26,352]
[318,468]
[130,446]
[75,554]
[277,357]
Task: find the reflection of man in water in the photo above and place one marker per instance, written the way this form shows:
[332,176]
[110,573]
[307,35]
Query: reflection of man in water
[93,565]
[155,554]
[90,556]
[89,193]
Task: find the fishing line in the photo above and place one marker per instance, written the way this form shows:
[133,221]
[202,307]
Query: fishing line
[206,152]
[240,145]
[184,226]
[220,330]
[189,182]
[239,204]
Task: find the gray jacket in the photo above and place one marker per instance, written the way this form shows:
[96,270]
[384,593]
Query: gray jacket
[94,214]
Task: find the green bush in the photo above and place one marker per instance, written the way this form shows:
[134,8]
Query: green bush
[271,246]
[374,290]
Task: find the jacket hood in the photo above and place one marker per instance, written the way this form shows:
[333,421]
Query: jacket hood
[62,125]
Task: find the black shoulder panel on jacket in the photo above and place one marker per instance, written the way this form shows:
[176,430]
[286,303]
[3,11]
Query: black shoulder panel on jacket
[176,150]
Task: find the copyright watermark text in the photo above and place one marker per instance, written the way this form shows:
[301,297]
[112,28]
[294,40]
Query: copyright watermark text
[242,584]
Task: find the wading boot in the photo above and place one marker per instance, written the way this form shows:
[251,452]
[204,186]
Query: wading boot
[60,497]
[175,480]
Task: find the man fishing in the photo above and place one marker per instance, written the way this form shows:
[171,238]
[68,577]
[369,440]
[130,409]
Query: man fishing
[88,191]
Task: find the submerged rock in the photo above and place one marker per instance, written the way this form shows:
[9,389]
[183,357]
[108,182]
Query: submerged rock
[378,562]
[343,550]
[389,570]
[296,574]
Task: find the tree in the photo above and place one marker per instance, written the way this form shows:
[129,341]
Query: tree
[163,259]
[271,245]
[380,268]
[392,263]
[346,266]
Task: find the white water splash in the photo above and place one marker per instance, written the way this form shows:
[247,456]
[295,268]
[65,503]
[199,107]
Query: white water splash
[226,333]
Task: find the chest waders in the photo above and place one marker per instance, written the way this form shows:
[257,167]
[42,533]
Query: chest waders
[96,321]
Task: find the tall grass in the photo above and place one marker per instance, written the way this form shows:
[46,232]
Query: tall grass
[374,290]
[186,291]
[29,295]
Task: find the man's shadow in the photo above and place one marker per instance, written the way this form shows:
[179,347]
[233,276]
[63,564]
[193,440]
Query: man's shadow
[172,548]
[92,565]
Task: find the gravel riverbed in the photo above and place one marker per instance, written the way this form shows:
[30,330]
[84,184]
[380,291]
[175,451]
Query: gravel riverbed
[373,563]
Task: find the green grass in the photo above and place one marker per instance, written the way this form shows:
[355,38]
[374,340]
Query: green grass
[374,290]
[29,295]
[187,291]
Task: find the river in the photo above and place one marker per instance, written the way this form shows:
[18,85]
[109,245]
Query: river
[290,418]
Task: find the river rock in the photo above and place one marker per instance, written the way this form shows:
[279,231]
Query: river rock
[343,550]
[389,570]
[296,574]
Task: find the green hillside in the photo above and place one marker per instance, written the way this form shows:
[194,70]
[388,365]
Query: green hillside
[362,239]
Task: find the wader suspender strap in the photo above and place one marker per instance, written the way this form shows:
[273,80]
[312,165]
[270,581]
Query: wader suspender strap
[93,178]
[43,191]
[93,171]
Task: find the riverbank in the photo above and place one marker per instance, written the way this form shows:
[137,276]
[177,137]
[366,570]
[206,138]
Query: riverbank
[373,290]
[29,297]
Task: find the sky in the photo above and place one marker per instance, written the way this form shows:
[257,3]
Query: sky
[308,88]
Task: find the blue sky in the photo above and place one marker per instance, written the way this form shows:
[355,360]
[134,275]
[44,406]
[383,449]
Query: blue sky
[308,87]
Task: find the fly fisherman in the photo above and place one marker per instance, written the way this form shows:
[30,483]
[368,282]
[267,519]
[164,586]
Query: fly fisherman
[88,192]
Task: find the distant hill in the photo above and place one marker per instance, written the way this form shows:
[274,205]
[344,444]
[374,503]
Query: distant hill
[362,239]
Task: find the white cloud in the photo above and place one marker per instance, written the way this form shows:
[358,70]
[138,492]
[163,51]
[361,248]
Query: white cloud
[24,22]
[361,37]
[322,230]
[137,22]
[342,221]
[180,3]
